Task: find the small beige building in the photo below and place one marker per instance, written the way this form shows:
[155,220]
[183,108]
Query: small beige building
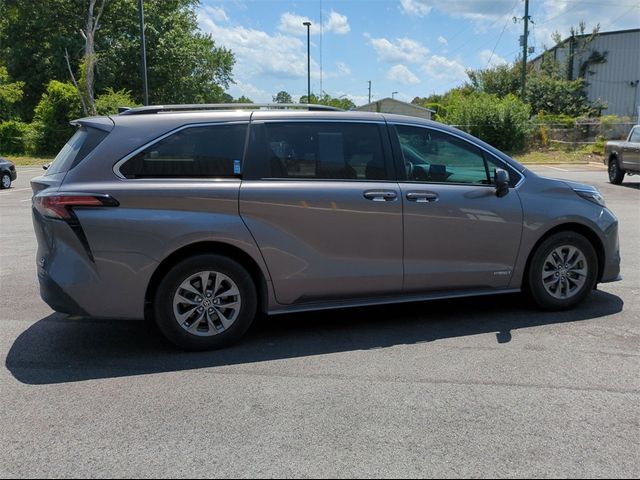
[391,105]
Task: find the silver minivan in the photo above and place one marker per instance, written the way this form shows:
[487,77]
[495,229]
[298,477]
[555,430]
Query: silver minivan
[202,216]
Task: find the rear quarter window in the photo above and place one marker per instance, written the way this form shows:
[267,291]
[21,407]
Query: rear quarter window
[81,144]
[192,152]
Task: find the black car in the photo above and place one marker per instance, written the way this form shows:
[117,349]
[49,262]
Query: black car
[7,173]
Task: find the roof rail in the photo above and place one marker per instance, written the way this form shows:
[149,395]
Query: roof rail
[224,106]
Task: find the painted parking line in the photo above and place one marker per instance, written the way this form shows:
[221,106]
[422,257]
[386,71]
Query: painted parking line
[13,190]
[554,168]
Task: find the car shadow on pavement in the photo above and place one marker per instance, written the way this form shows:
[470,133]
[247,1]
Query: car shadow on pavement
[635,185]
[58,349]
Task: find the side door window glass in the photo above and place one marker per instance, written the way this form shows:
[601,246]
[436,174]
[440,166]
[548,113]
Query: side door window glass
[436,157]
[319,150]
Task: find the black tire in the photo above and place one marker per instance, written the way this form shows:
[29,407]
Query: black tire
[5,180]
[535,285]
[163,304]
[616,174]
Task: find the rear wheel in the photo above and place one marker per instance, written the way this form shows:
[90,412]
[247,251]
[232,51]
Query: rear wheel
[563,271]
[616,174]
[5,180]
[205,302]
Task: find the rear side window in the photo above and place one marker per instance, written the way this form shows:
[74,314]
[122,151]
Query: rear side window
[83,142]
[307,150]
[193,152]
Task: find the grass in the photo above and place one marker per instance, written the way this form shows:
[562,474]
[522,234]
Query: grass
[27,161]
[557,156]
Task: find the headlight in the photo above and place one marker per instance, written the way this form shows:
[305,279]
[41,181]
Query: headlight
[593,196]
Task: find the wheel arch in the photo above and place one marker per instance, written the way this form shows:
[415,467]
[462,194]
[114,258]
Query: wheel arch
[583,230]
[210,247]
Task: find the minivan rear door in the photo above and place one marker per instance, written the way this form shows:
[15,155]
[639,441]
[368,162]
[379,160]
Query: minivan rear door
[322,202]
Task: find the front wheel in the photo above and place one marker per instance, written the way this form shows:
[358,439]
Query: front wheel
[562,272]
[5,181]
[205,302]
[616,174]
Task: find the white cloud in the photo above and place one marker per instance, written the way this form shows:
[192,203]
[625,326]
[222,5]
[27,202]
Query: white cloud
[472,10]
[491,59]
[217,13]
[442,68]
[251,91]
[292,24]
[400,73]
[443,40]
[415,8]
[337,23]
[259,53]
[343,69]
[403,50]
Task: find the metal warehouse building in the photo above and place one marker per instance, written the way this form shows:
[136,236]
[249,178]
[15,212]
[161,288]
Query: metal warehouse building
[610,64]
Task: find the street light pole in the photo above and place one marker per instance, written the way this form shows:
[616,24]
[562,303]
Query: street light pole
[393,94]
[308,25]
[143,52]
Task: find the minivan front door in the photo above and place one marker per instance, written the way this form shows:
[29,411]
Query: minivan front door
[320,200]
[458,234]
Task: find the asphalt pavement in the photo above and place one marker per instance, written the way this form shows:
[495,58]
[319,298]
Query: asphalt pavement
[481,387]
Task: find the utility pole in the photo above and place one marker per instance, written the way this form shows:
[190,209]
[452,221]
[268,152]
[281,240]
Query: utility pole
[143,53]
[308,25]
[369,91]
[525,45]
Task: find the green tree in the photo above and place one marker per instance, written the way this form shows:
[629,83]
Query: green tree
[557,96]
[326,99]
[108,102]
[10,94]
[243,99]
[58,106]
[500,80]
[282,97]
[501,122]
[184,65]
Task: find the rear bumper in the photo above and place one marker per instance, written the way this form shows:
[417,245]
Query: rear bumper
[55,296]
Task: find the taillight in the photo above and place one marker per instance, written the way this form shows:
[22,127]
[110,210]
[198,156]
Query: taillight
[60,206]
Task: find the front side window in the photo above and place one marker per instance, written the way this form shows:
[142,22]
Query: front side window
[433,156]
[318,150]
[635,135]
[193,152]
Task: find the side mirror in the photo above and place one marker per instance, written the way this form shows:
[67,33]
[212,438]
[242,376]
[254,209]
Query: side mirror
[46,167]
[501,179]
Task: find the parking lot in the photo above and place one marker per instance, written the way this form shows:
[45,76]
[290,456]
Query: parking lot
[485,387]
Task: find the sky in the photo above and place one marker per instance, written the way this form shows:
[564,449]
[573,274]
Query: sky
[412,47]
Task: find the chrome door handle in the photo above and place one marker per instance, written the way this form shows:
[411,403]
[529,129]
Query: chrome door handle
[380,195]
[422,197]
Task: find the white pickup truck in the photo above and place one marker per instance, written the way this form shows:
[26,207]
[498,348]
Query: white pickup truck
[623,156]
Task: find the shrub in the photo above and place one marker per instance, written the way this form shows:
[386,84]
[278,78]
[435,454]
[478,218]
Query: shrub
[58,106]
[14,137]
[557,96]
[501,122]
[107,103]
